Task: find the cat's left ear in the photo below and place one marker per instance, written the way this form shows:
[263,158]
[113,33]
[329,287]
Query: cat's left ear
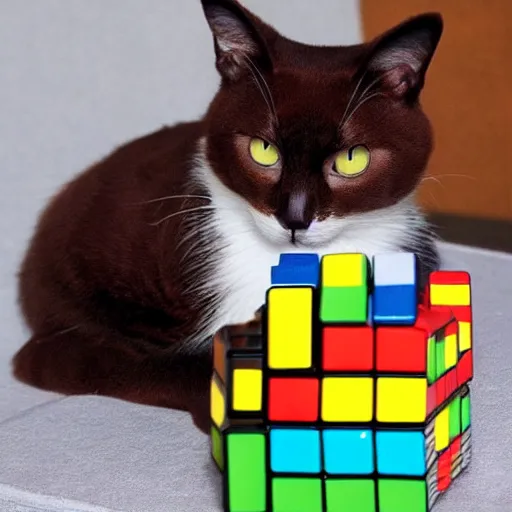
[401,56]
[237,37]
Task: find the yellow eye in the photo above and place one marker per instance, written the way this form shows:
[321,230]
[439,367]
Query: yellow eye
[263,153]
[353,161]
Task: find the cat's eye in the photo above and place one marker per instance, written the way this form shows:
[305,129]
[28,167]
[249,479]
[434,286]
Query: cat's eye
[352,162]
[263,153]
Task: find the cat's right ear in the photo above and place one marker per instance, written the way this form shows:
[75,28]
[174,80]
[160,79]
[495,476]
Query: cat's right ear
[238,43]
[402,55]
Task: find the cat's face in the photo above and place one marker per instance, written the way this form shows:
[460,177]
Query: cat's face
[309,136]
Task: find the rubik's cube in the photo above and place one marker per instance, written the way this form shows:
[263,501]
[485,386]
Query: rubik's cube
[348,392]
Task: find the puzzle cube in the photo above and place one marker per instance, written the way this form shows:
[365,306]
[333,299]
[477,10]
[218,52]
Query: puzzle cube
[395,293]
[344,393]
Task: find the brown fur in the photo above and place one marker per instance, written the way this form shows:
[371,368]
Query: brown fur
[101,286]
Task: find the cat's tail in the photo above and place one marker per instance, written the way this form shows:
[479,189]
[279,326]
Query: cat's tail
[72,362]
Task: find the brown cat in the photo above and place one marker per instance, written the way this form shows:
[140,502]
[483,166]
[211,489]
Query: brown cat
[140,259]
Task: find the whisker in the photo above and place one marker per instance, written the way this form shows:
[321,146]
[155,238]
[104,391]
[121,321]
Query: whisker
[259,81]
[437,179]
[433,201]
[454,176]
[352,97]
[165,198]
[376,81]
[195,230]
[182,212]
[432,178]
[361,96]
[361,103]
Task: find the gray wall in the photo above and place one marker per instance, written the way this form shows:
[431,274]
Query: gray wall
[78,77]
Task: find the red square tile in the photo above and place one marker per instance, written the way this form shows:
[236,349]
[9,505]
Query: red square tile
[455,448]
[347,349]
[449,277]
[431,398]
[293,399]
[441,396]
[461,313]
[465,368]
[444,470]
[401,349]
[451,382]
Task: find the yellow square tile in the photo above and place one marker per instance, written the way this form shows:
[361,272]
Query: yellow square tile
[450,351]
[290,328]
[343,270]
[217,403]
[401,400]
[464,336]
[347,399]
[247,389]
[442,429]
[450,295]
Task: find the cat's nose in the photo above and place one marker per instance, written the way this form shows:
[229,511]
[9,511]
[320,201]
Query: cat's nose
[294,224]
[293,213]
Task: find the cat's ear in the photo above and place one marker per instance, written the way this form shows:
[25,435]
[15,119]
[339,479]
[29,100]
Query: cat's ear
[401,56]
[238,42]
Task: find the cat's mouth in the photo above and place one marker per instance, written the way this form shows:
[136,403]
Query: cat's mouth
[317,235]
[300,238]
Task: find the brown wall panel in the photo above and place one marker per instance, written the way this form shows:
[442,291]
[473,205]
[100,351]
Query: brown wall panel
[468,97]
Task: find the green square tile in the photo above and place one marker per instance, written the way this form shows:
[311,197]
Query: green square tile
[246,458]
[296,495]
[440,363]
[431,360]
[344,304]
[466,412]
[217,448]
[352,495]
[455,418]
[402,495]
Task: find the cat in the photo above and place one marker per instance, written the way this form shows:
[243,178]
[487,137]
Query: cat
[137,261]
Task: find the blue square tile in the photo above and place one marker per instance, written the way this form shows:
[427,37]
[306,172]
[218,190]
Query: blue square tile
[295,451]
[288,258]
[348,451]
[296,269]
[395,305]
[401,453]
